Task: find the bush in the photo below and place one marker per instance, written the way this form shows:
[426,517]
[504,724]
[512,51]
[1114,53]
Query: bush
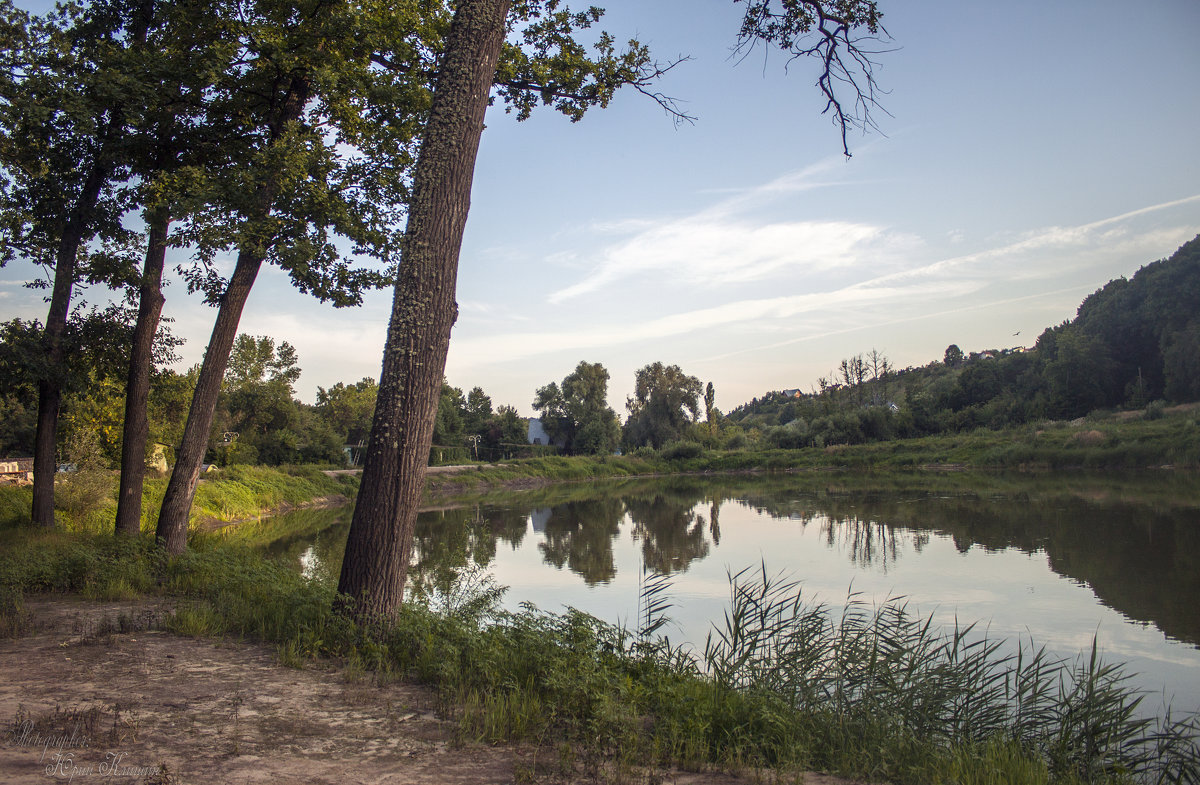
[675,451]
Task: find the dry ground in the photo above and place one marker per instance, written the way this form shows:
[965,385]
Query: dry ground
[95,693]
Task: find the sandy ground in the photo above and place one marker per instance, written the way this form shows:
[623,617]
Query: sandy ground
[95,693]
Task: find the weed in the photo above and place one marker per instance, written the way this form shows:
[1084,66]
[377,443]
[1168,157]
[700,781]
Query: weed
[15,620]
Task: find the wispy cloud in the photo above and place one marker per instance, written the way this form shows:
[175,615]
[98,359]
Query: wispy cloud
[727,242]
[943,284]
[515,346]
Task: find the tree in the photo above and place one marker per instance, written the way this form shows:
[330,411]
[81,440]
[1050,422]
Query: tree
[710,409]
[665,401]
[348,408]
[328,98]
[506,427]
[62,97]
[170,134]
[557,73]
[1181,364]
[478,411]
[577,415]
[449,425]
[853,371]
[953,356]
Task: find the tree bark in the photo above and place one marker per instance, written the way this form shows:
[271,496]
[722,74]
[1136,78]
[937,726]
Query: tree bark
[423,312]
[50,385]
[171,531]
[137,387]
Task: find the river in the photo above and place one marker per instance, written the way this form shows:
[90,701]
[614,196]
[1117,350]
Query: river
[1058,559]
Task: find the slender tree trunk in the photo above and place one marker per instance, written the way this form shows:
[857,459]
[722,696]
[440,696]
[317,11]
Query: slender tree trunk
[181,490]
[171,531]
[137,387]
[423,311]
[50,385]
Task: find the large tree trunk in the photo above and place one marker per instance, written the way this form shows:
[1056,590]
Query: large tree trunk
[137,387]
[423,311]
[50,385]
[181,490]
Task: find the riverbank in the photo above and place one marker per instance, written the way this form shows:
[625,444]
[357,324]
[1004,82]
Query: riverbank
[246,655]
[1105,441]
[101,689]
[591,701]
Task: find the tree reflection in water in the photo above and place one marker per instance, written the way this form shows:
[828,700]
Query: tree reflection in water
[1134,541]
[580,536]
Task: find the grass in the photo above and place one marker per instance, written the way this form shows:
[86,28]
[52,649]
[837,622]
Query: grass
[782,683]
[230,494]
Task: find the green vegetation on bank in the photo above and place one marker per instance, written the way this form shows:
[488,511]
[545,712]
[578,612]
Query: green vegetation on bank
[1105,440]
[1132,343]
[783,684]
[86,499]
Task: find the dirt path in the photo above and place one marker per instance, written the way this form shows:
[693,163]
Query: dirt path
[94,693]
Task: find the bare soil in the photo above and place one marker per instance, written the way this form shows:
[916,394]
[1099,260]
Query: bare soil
[96,692]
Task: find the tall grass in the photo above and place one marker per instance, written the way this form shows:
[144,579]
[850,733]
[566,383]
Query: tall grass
[892,679]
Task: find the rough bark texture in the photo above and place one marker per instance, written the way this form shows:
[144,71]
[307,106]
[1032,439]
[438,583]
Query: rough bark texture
[181,490]
[137,386]
[50,386]
[423,311]
[171,531]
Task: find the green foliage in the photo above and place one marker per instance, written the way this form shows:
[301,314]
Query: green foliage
[348,409]
[577,415]
[664,402]
[1132,342]
[83,490]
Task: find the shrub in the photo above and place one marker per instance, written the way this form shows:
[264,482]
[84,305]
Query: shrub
[676,451]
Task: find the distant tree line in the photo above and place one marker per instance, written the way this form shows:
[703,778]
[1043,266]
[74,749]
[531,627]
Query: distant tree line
[1131,343]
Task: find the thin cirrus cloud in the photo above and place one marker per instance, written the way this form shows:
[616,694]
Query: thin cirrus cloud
[516,346]
[711,252]
[952,283]
[720,245]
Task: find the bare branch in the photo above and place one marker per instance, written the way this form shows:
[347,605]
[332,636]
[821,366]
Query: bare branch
[839,41]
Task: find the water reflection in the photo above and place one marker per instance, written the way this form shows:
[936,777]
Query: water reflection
[1134,543]
[579,535]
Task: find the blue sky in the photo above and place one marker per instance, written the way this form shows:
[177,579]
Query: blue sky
[1033,152]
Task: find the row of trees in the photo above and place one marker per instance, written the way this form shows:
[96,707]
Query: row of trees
[665,408]
[257,419]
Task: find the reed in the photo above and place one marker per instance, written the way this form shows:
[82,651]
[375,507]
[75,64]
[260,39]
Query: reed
[891,679]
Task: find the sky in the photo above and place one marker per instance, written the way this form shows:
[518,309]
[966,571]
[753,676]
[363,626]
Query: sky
[1030,152]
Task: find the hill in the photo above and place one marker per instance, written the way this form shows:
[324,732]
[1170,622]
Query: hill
[1133,342]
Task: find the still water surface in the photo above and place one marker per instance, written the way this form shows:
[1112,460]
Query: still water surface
[1057,560]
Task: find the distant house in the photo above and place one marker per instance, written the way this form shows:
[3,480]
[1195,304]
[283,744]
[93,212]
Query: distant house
[16,470]
[537,434]
[793,393]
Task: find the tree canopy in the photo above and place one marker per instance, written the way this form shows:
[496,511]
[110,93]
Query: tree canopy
[576,414]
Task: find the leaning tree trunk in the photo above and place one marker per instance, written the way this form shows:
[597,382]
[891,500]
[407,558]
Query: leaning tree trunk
[423,311]
[137,387]
[50,385]
[171,531]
